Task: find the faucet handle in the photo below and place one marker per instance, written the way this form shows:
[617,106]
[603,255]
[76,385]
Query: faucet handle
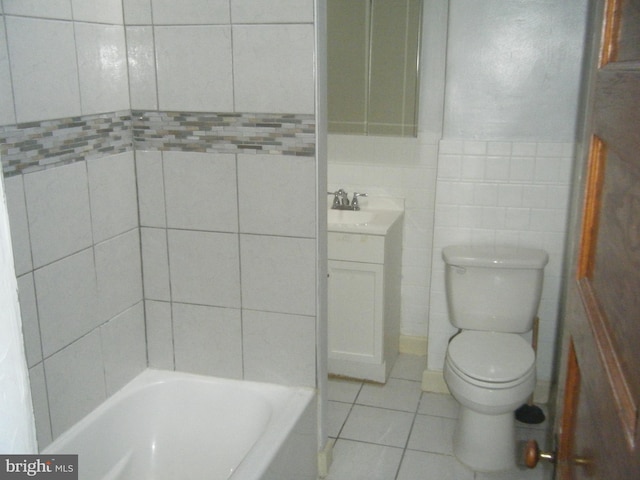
[354,203]
[344,196]
[336,199]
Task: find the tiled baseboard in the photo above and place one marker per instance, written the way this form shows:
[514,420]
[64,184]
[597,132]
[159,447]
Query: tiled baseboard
[413,345]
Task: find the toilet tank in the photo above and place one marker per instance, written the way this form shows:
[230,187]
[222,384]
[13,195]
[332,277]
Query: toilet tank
[493,288]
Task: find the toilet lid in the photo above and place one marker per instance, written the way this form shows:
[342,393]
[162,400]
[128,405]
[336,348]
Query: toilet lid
[491,356]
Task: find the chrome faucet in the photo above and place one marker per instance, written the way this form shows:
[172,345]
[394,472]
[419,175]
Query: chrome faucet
[341,200]
[354,203]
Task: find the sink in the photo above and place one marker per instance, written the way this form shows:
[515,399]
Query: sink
[349,217]
[369,221]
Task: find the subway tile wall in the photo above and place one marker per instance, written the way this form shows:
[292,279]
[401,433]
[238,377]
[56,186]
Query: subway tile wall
[499,193]
[459,191]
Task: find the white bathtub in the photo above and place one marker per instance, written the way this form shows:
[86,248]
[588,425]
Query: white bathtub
[177,426]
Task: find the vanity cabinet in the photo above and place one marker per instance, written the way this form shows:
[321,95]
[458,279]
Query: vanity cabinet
[364,302]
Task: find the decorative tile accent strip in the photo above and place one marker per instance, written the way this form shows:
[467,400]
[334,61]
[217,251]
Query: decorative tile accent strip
[32,146]
[284,134]
[28,147]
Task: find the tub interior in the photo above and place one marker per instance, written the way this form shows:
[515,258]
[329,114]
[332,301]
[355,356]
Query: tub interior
[170,425]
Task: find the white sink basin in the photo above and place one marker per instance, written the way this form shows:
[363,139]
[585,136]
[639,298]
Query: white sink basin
[349,217]
[374,222]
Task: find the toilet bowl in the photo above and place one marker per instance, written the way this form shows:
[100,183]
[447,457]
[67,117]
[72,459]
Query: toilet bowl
[493,295]
[484,438]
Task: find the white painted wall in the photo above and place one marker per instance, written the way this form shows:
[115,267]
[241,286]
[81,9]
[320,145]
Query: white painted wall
[513,69]
[17,427]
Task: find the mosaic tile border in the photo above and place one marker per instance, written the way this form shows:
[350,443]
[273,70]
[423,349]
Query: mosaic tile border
[283,134]
[33,146]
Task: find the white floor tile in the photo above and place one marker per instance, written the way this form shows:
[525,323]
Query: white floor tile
[342,390]
[372,422]
[336,416]
[432,434]
[377,425]
[409,367]
[364,461]
[396,394]
[432,466]
[438,405]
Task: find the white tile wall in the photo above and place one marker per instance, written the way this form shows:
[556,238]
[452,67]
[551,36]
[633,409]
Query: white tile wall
[204,268]
[7,111]
[75,381]
[123,347]
[159,334]
[40,404]
[190,12]
[14,190]
[29,314]
[208,340]
[102,66]
[200,191]
[275,59]
[137,12]
[278,274]
[206,256]
[77,285]
[194,68]
[279,348]
[274,11]
[150,180]
[273,193]
[142,68]
[112,190]
[105,11]
[58,212]
[155,265]
[60,9]
[119,276]
[43,68]
[67,308]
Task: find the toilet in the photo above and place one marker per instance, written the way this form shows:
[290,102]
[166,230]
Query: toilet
[493,293]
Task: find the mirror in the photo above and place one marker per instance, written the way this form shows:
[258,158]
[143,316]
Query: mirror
[373,64]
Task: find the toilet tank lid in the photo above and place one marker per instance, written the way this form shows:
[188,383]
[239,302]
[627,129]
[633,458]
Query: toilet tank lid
[494,256]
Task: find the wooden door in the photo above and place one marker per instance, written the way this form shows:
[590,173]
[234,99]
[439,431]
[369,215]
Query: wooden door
[597,427]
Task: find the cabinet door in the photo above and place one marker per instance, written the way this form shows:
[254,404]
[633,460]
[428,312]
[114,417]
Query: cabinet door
[355,311]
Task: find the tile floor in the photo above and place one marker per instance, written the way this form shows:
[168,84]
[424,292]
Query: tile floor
[398,432]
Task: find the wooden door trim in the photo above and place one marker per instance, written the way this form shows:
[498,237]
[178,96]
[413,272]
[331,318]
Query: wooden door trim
[570,410]
[592,203]
[611,33]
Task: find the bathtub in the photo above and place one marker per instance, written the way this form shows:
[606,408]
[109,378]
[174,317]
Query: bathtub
[177,426]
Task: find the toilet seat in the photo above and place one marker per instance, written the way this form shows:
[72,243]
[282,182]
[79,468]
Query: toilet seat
[491,359]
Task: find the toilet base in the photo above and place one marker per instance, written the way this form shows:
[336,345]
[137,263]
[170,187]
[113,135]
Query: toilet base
[485,443]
